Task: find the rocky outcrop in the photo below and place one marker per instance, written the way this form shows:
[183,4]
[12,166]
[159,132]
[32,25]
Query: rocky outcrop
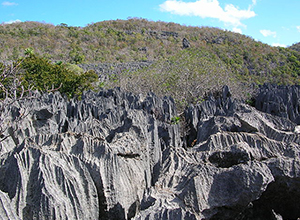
[185,43]
[281,101]
[92,159]
[108,70]
[115,155]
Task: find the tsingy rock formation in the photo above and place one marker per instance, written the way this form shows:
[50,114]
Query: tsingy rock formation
[115,155]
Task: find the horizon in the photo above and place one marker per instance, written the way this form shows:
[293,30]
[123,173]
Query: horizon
[276,24]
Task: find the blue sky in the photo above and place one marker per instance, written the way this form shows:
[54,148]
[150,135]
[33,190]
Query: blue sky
[275,22]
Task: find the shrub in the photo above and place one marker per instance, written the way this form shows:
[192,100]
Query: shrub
[44,75]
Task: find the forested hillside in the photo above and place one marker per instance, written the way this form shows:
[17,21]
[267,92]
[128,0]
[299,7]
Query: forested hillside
[215,57]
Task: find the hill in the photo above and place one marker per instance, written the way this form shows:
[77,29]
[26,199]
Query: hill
[215,57]
[295,47]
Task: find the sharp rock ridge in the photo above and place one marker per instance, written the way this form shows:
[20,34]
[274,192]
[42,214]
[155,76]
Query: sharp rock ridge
[116,155]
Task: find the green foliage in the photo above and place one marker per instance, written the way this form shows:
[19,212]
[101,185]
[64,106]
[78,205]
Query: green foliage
[46,76]
[73,68]
[29,52]
[250,100]
[175,120]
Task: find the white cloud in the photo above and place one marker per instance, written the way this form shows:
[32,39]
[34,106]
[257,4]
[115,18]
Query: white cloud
[254,2]
[298,28]
[268,33]
[278,45]
[9,3]
[237,30]
[12,21]
[208,9]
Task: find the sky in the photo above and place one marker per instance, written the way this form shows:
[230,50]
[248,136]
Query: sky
[275,22]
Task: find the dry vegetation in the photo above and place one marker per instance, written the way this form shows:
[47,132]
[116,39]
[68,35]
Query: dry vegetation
[215,58]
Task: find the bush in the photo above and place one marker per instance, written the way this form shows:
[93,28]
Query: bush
[11,82]
[45,76]
[187,77]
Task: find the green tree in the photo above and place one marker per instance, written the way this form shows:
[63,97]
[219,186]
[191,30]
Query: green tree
[44,75]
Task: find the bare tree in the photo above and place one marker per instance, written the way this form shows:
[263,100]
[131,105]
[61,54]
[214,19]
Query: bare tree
[11,91]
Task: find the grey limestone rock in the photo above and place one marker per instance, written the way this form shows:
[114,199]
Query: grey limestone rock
[84,160]
[106,70]
[185,43]
[279,100]
[115,155]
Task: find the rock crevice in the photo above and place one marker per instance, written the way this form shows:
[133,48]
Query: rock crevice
[115,155]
